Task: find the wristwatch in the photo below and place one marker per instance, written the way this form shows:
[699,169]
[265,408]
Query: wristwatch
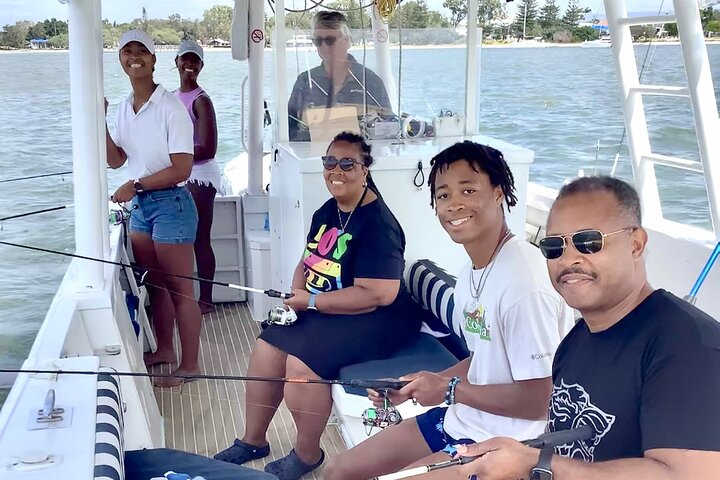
[311,302]
[542,470]
[138,186]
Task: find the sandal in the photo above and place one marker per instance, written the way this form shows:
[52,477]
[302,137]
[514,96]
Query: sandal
[291,467]
[240,452]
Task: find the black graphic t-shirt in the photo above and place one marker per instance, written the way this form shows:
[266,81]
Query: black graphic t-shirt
[371,246]
[650,381]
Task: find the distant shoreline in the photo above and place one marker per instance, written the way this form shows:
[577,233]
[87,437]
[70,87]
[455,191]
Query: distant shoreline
[526,44]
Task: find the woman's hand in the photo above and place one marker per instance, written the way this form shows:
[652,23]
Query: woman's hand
[299,301]
[124,193]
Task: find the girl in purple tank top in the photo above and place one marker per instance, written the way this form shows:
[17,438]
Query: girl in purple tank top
[205,177]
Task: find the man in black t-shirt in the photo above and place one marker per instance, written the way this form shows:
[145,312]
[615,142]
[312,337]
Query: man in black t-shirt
[641,368]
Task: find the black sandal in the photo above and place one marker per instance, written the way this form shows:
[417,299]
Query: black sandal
[240,452]
[291,467]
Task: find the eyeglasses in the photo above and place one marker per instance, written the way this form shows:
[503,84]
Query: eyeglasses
[346,163]
[586,242]
[330,40]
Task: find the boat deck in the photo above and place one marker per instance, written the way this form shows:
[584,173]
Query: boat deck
[205,416]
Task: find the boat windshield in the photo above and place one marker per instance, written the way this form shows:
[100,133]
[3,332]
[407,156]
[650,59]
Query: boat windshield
[403,78]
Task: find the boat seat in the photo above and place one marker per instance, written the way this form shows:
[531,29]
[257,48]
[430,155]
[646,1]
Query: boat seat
[113,463]
[147,464]
[441,343]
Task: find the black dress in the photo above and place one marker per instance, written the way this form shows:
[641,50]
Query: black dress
[372,246]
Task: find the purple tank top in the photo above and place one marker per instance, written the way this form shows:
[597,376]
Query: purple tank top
[187,99]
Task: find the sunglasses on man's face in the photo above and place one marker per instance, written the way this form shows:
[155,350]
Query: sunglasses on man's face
[586,242]
[346,164]
[330,40]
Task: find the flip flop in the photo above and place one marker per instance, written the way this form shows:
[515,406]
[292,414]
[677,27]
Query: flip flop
[291,467]
[240,452]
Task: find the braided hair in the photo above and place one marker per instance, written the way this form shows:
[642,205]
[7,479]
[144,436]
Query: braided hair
[365,150]
[481,159]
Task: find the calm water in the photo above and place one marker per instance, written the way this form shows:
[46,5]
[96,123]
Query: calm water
[560,102]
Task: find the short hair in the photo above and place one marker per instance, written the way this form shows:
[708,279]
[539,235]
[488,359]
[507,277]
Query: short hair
[481,158]
[332,20]
[623,192]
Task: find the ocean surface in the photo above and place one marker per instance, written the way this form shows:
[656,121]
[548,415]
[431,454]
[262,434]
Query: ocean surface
[563,103]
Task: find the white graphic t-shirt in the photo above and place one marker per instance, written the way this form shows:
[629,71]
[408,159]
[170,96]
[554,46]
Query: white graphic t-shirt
[512,330]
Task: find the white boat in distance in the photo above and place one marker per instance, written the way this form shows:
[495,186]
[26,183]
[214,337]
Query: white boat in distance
[602,42]
[299,41]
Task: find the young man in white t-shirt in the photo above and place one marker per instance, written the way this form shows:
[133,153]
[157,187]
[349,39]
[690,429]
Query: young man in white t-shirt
[513,321]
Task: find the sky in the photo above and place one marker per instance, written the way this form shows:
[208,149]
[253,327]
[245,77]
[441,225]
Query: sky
[126,10]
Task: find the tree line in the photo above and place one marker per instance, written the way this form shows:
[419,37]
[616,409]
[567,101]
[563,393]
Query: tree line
[215,24]
[532,20]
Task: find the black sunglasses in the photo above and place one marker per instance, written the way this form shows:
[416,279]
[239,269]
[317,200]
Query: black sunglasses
[585,241]
[330,40]
[346,163]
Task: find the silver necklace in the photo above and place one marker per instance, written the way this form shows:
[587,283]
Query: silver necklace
[476,290]
[344,225]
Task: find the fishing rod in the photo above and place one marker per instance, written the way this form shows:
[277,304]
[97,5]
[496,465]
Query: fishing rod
[35,212]
[29,177]
[375,384]
[144,271]
[692,296]
[546,440]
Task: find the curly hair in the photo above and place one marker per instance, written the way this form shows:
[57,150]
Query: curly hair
[481,158]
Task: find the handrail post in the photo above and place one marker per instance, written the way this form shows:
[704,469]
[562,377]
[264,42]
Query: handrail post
[702,95]
[88,137]
[633,110]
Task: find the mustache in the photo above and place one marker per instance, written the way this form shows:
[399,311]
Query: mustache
[577,270]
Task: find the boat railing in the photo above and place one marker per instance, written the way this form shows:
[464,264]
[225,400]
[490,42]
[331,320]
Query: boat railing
[699,91]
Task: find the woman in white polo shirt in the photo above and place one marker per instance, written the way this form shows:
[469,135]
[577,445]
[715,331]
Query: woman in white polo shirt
[154,134]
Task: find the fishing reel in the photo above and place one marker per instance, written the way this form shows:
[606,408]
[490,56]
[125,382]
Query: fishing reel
[281,315]
[381,417]
[118,217]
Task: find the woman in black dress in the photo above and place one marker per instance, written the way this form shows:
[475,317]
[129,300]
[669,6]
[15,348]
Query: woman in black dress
[352,306]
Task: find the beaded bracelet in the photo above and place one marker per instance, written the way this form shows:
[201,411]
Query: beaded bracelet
[450,392]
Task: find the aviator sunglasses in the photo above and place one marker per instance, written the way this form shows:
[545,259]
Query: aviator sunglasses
[346,163]
[585,241]
[330,40]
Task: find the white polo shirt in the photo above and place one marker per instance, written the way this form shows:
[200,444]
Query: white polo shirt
[160,128]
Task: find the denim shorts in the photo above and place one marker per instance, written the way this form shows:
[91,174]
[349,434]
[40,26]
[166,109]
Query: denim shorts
[168,215]
[432,428]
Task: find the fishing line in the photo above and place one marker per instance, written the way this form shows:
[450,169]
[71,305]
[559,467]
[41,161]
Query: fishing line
[269,292]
